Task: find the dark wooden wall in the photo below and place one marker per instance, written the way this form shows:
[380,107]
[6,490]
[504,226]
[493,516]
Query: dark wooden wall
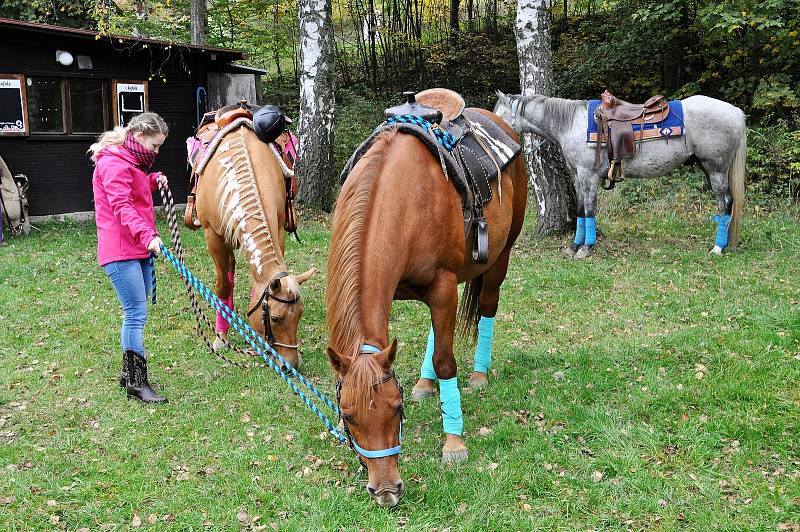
[59,170]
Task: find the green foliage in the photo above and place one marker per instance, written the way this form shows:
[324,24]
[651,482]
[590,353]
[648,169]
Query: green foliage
[73,13]
[773,161]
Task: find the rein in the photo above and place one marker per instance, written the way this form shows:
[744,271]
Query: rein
[367,349]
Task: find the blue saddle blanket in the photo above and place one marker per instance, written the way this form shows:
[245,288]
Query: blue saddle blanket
[671,127]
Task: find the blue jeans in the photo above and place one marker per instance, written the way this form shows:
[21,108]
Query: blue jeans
[132,280]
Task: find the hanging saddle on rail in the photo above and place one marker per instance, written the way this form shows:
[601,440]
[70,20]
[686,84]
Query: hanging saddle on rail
[270,126]
[471,148]
[620,125]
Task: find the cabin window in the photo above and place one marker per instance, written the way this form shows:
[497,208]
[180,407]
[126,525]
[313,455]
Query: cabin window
[67,106]
[46,105]
[87,105]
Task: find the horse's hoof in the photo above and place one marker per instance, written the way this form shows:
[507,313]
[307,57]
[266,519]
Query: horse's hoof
[456,455]
[218,345]
[570,250]
[477,381]
[583,252]
[420,394]
[716,250]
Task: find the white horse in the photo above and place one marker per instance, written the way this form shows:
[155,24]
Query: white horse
[715,137]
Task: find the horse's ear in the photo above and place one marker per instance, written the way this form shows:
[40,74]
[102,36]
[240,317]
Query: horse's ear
[303,277]
[500,94]
[386,358]
[275,285]
[340,364]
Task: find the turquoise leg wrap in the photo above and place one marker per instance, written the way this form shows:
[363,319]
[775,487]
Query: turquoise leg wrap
[723,222]
[483,351]
[591,232]
[427,371]
[452,418]
[580,231]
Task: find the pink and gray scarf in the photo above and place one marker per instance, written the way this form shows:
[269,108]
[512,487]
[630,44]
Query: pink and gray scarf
[144,157]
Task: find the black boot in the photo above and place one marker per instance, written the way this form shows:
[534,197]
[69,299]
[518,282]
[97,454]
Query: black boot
[138,387]
[123,373]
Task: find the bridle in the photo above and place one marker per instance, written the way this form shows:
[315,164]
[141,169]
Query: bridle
[367,349]
[517,109]
[266,318]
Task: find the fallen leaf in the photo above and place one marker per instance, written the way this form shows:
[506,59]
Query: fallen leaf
[527,507]
[152,519]
[242,517]
[136,522]
[483,431]
[493,466]
[462,507]
[597,476]
[52,503]
[246,417]
[558,375]
[8,499]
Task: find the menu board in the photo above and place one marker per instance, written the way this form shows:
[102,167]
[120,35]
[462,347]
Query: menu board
[13,106]
[130,99]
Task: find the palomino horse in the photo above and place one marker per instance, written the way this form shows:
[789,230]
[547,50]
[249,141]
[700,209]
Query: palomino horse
[241,198]
[398,233]
[715,137]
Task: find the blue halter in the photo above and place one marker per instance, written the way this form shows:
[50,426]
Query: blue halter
[381,453]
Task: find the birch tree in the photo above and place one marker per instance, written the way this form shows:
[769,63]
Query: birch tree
[550,179]
[315,158]
[197,11]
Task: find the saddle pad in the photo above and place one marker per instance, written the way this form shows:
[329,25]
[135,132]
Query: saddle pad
[673,126]
[468,165]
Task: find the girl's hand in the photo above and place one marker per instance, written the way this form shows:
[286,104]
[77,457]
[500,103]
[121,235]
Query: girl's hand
[155,245]
[161,179]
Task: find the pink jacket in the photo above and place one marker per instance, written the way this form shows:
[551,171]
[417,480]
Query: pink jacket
[123,204]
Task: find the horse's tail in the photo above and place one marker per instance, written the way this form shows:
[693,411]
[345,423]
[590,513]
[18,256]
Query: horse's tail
[736,177]
[468,311]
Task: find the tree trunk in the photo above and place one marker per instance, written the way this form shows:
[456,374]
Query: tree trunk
[551,182]
[315,158]
[198,21]
[454,8]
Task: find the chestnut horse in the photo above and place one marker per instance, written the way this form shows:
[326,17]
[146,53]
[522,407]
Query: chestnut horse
[398,233]
[241,197]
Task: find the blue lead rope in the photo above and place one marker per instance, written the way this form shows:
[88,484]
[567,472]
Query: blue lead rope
[260,346]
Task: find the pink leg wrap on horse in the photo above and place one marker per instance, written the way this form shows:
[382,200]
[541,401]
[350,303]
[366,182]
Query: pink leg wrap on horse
[222,324]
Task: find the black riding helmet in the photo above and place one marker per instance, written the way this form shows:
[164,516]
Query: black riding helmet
[269,122]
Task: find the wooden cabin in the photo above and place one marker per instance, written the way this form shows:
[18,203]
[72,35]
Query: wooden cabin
[61,87]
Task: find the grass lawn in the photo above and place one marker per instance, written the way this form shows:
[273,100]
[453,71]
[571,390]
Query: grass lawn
[651,386]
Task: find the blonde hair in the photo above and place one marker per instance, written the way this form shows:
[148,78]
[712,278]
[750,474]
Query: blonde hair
[148,123]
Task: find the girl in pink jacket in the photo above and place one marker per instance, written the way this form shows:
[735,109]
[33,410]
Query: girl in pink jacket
[127,237]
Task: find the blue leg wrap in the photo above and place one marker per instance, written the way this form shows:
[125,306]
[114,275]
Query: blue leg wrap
[452,418]
[723,222]
[580,231]
[427,371]
[483,351]
[591,232]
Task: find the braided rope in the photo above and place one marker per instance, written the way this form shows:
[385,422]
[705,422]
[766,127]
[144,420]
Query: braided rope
[202,320]
[260,346]
[255,340]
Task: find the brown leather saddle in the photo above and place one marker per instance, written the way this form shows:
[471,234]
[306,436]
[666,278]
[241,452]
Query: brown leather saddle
[615,120]
[210,126]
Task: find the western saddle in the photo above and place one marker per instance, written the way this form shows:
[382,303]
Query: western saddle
[615,119]
[269,124]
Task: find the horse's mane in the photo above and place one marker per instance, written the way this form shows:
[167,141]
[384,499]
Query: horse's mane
[241,212]
[560,112]
[343,295]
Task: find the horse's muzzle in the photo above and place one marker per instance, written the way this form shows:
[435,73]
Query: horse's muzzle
[386,495]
